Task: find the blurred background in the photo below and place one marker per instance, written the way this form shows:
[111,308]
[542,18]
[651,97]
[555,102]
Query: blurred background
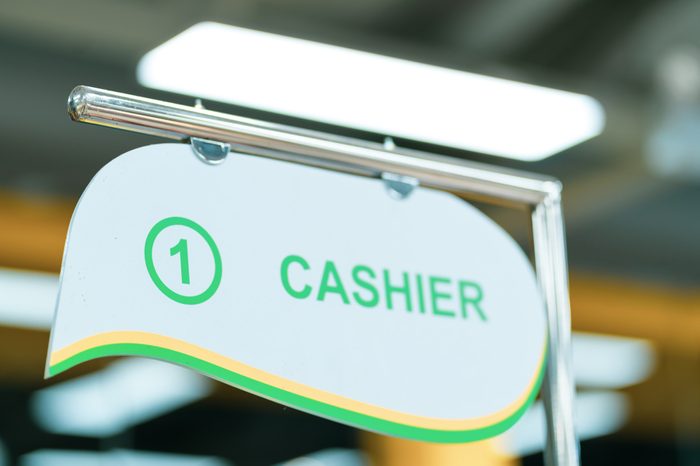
[631,202]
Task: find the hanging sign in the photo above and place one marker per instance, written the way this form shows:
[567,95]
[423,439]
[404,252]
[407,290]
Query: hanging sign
[419,317]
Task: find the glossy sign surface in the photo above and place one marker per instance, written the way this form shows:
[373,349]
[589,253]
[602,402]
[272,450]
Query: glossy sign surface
[418,318]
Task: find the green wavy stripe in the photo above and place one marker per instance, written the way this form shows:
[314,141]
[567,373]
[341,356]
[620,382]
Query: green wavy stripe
[297,401]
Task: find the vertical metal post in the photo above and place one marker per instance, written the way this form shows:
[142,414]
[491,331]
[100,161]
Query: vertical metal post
[558,389]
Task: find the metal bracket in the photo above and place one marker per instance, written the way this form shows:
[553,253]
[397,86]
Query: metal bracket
[539,193]
[211,152]
[389,143]
[399,186]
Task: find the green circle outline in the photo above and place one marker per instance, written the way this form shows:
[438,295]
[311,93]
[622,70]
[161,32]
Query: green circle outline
[150,266]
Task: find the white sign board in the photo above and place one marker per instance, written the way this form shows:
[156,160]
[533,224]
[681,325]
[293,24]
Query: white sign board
[419,318]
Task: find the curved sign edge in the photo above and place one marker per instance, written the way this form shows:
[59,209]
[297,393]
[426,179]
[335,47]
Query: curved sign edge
[289,393]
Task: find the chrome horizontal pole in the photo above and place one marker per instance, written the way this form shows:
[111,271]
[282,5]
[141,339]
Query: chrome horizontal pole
[180,122]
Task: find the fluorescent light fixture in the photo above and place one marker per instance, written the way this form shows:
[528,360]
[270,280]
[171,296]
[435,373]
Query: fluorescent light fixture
[27,299]
[115,458]
[597,414]
[606,361]
[361,90]
[126,393]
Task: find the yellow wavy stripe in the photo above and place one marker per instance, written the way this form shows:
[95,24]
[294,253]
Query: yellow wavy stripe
[290,386]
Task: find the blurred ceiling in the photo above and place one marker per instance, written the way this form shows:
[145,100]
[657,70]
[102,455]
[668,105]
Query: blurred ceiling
[624,215]
[629,213]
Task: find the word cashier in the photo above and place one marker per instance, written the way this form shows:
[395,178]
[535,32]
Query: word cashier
[367,287]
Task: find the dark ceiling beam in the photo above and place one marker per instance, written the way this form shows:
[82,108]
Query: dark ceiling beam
[418,20]
[582,35]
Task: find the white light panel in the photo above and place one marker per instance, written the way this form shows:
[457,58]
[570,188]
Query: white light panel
[126,393]
[27,299]
[371,92]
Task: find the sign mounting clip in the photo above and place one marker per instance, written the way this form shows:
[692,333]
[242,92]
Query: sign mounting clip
[399,186]
[211,152]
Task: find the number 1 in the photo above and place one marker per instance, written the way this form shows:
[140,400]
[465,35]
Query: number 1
[181,248]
